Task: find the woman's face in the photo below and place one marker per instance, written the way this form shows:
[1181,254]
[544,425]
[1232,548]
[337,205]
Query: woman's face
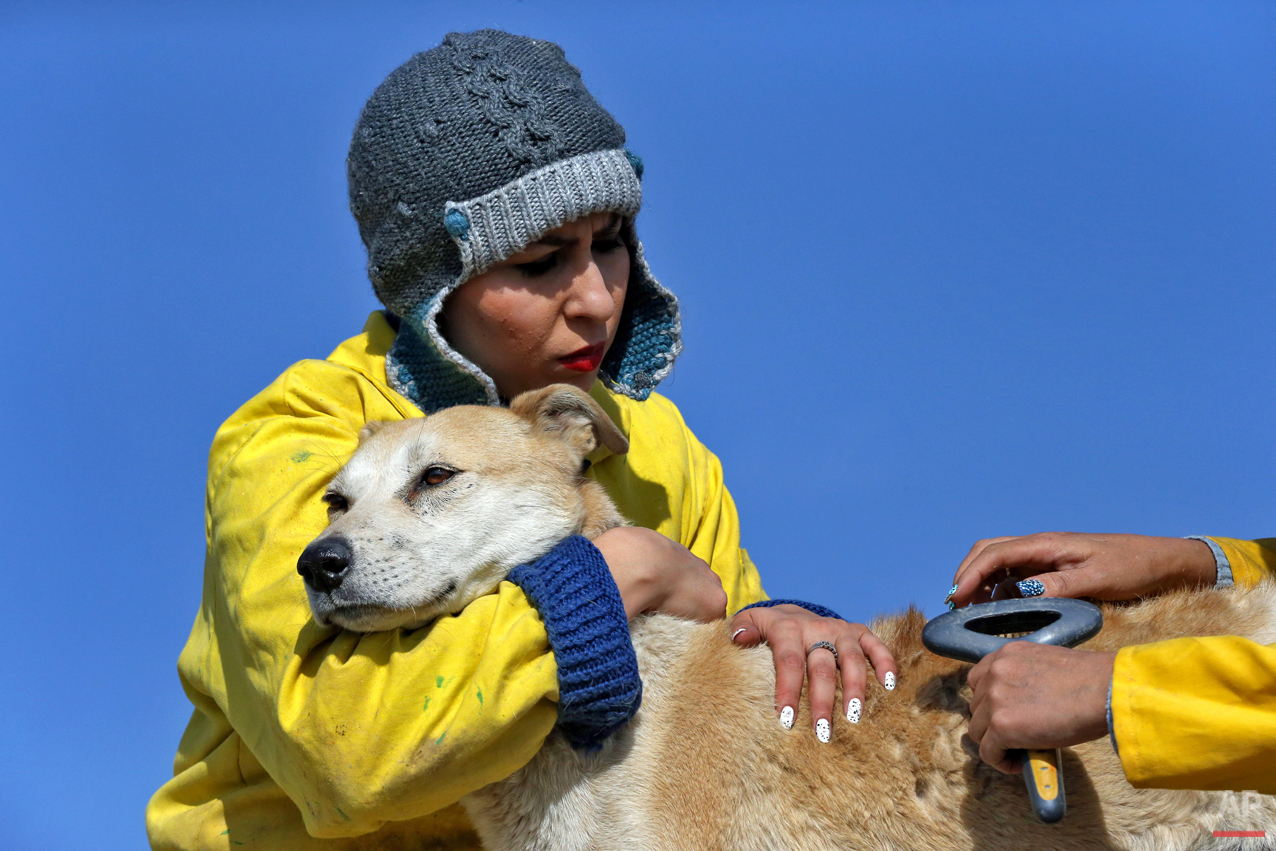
[548,314]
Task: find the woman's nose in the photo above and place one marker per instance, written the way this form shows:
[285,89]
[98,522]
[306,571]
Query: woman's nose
[590,298]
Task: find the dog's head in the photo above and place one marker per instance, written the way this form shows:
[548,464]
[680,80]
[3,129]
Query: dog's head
[431,513]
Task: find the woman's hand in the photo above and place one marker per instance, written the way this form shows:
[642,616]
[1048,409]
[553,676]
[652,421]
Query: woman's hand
[1067,564]
[1037,696]
[791,631]
[656,574]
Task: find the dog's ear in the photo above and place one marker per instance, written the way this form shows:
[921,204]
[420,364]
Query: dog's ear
[570,413]
[369,429]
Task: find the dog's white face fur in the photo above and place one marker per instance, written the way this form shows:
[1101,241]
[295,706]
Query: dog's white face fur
[434,512]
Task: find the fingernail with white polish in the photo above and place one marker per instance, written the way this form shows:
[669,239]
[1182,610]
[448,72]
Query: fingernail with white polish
[786,717]
[890,681]
[1031,587]
[737,632]
[853,710]
[823,731]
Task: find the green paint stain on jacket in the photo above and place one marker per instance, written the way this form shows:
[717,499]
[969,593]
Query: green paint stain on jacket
[426,708]
[439,740]
[343,815]
[480,695]
[438,682]
[298,457]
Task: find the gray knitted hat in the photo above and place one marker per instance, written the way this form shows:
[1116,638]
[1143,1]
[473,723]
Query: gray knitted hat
[463,156]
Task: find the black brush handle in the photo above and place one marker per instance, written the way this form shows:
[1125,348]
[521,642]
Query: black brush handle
[972,633]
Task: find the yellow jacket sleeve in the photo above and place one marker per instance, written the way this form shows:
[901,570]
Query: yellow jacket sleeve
[1251,561]
[1200,713]
[357,729]
[1197,713]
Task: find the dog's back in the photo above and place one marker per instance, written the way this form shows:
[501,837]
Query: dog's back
[706,764]
[907,777]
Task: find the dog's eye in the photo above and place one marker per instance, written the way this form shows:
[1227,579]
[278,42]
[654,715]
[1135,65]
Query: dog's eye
[437,475]
[336,502]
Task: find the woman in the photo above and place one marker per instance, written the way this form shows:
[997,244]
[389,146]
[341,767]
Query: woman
[1192,713]
[497,202]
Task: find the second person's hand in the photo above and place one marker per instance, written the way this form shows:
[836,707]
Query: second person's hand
[1035,696]
[1069,564]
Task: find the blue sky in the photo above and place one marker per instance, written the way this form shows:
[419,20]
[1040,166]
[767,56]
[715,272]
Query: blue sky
[948,270]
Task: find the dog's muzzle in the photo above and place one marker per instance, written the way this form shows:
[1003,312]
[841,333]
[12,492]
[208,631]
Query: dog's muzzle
[323,564]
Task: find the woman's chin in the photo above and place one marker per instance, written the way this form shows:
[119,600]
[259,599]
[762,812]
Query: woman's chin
[582,380]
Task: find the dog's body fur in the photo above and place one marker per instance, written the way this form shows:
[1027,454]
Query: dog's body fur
[705,763]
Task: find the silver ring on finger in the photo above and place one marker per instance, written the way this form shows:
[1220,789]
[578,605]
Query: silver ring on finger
[827,645]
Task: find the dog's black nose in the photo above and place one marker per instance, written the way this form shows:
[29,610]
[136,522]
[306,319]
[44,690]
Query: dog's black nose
[323,564]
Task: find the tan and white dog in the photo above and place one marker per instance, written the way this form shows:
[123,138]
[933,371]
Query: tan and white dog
[431,513]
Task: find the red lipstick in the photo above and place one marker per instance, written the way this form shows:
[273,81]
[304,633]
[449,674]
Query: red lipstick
[584,360]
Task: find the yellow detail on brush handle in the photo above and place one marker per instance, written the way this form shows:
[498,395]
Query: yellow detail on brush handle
[1044,768]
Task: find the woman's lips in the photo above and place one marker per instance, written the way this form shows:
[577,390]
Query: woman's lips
[584,360]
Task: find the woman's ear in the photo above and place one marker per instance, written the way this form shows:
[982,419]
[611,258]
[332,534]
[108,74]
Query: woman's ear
[569,413]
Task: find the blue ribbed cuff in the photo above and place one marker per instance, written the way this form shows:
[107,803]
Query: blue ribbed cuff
[1111,725]
[815,608]
[1221,564]
[598,684]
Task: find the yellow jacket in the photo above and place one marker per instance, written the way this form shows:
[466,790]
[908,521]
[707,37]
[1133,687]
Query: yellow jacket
[1200,713]
[302,735]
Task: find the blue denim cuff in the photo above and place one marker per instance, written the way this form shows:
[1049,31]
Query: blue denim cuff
[1111,726]
[810,607]
[1224,579]
[599,689]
